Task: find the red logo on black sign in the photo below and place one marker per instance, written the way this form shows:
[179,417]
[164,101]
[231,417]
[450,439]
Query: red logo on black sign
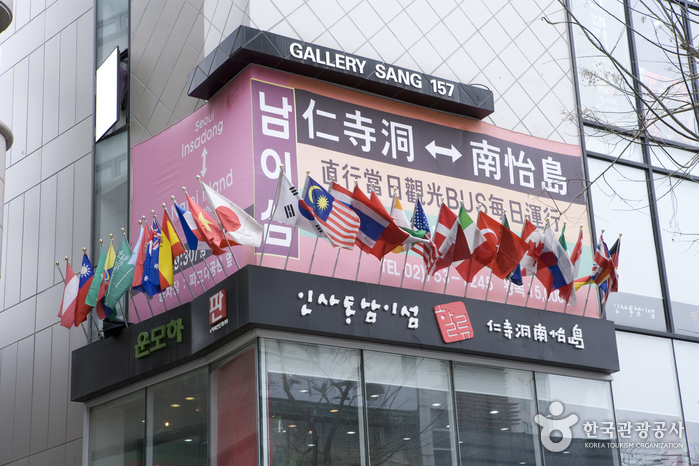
[217,307]
[453,322]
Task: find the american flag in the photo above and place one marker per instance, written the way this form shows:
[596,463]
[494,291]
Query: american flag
[337,219]
[425,250]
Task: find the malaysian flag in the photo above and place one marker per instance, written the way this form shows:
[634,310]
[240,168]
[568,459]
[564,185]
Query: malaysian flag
[425,250]
[337,219]
[292,210]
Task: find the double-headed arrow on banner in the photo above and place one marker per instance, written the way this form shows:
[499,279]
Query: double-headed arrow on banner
[434,149]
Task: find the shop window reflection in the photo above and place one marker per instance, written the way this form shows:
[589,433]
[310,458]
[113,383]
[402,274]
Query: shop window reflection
[495,411]
[408,410]
[116,431]
[177,420]
[313,397]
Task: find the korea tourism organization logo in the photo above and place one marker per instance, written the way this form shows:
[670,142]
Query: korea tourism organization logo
[217,311]
[557,434]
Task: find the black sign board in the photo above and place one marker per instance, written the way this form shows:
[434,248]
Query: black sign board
[248,45]
[259,297]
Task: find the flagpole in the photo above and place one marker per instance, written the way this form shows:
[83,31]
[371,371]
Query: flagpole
[490,278]
[529,293]
[405,265]
[155,219]
[93,309]
[599,312]
[212,252]
[337,258]
[152,314]
[274,210]
[310,265]
[195,270]
[288,252]
[64,279]
[424,278]
[173,263]
[393,203]
[548,295]
[220,224]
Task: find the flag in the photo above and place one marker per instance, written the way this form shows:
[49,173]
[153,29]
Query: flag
[372,223]
[102,310]
[401,220]
[122,275]
[510,248]
[337,219]
[166,269]
[292,210]
[392,237]
[151,274]
[604,268]
[204,227]
[70,298]
[535,242]
[481,252]
[567,292]
[554,258]
[562,238]
[424,249]
[170,233]
[141,265]
[241,228]
[187,223]
[516,275]
[138,257]
[87,273]
[448,235]
[93,292]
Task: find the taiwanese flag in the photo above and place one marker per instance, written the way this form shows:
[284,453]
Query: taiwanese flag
[510,248]
[87,273]
[70,298]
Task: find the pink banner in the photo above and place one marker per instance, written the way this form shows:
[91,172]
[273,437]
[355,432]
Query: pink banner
[264,118]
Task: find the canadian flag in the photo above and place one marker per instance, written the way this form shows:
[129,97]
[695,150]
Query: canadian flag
[70,298]
[241,228]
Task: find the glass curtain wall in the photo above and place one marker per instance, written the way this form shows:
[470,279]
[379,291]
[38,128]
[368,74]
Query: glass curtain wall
[111,162]
[636,63]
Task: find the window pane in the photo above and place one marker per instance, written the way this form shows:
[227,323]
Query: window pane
[177,420]
[620,204]
[679,224]
[111,189]
[687,355]
[495,410]
[313,402]
[591,402]
[116,431]
[614,145]
[663,69]
[409,410]
[683,162]
[645,390]
[603,99]
[234,411]
[112,27]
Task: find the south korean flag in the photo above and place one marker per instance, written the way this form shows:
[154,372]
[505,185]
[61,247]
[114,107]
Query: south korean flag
[292,210]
